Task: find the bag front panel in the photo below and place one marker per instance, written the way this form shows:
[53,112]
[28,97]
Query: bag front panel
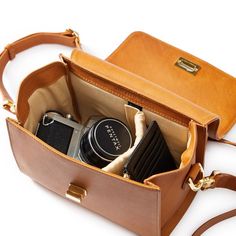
[130,204]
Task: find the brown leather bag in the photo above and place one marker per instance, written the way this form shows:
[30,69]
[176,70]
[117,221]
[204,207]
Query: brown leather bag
[163,80]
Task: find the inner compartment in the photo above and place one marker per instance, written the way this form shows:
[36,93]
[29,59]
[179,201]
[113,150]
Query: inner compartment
[90,100]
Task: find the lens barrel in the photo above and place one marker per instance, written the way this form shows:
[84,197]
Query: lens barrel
[105,141]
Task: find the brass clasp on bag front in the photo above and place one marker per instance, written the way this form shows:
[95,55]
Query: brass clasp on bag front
[76,193]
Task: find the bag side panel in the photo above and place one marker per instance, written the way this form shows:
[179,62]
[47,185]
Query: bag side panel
[176,196]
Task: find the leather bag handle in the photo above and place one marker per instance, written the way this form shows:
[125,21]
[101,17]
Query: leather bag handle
[68,38]
[197,181]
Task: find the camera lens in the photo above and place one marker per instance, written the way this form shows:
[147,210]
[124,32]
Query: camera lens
[104,142]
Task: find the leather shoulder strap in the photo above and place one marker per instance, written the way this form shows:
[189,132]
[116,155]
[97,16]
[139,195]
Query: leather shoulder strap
[221,180]
[227,181]
[214,221]
[68,38]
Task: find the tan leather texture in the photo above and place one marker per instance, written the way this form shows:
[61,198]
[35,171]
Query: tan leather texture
[172,183]
[39,78]
[224,180]
[214,221]
[211,89]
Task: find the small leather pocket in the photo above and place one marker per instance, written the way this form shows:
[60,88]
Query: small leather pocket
[151,156]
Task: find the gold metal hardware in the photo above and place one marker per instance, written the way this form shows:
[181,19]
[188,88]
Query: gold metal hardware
[204,183]
[9,106]
[77,38]
[76,193]
[127,176]
[187,65]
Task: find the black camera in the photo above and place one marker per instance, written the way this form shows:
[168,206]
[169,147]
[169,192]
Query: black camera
[97,143]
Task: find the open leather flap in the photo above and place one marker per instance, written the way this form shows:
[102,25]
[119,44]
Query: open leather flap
[177,108]
[183,74]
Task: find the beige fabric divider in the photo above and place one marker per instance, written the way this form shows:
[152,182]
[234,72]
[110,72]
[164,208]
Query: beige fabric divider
[136,118]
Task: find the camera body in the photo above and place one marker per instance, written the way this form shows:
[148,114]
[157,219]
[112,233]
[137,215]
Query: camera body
[61,133]
[98,142]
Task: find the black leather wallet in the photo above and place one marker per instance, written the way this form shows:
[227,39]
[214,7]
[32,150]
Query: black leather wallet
[151,156]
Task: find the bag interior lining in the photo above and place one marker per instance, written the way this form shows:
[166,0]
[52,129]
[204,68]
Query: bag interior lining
[54,97]
[93,101]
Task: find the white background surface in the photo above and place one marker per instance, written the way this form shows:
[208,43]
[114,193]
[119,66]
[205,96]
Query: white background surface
[203,28]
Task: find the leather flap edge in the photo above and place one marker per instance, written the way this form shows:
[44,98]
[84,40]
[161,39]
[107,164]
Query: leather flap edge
[170,67]
[142,86]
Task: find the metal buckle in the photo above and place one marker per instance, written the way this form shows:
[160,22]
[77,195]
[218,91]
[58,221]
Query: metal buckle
[9,106]
[204,183]
[76,35]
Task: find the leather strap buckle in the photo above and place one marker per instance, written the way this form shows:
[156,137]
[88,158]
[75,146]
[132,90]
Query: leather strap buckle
[76,35]
[9,106]
[205,182]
